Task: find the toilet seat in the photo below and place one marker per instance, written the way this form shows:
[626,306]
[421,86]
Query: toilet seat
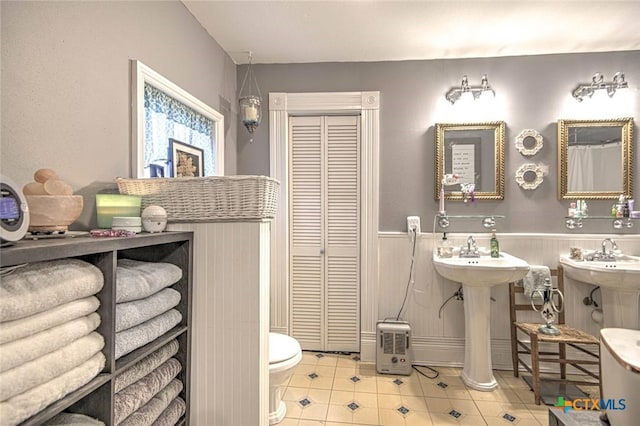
[282,348]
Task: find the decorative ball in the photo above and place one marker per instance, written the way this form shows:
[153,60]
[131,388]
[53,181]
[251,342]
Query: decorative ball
[154,219]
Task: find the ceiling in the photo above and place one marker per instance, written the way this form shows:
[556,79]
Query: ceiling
[362,31]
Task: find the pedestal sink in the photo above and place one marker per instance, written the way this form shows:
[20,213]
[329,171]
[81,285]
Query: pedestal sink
[619,283]
[477,276]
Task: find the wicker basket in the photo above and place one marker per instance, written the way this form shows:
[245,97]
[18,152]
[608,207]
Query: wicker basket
[205,199]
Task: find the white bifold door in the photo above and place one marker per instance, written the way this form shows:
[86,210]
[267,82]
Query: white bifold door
[324,239]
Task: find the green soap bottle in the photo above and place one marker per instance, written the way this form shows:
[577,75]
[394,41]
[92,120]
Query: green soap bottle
[495,246]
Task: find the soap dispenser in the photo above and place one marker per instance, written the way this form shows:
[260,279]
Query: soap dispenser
[445,249]
[495,246]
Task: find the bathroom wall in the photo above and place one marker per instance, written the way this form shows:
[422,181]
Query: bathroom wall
[531,92]
[66,84]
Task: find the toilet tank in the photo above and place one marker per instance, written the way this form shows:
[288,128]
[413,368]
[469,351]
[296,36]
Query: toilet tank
[620,375]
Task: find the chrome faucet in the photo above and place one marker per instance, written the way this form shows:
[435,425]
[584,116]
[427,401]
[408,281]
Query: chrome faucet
[603,255]
[471,250]
[614,246]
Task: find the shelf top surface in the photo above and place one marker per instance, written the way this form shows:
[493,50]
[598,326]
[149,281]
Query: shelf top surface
[47,249]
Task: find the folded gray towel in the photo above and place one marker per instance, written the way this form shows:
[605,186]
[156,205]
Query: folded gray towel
[139,393]
[25,405]
[149,412]
[137,280]
[129,314]
[146,365]
[138,336]
[40,286]
[18,352]
[27,326]
[534,280]
[172,414]
[49,366]
[65,419]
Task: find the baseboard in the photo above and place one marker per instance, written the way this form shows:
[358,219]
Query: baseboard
[449,352]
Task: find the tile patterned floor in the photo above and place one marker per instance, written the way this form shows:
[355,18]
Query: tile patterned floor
[340,390]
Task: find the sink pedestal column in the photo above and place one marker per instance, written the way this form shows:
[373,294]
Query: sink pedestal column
[477,372]
[620,308]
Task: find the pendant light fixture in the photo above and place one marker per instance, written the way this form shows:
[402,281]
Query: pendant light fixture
[250,101]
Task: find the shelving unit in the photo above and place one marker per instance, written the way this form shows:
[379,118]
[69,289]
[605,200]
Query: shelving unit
[96,397]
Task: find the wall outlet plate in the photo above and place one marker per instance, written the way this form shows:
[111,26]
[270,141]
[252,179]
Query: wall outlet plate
[413,222]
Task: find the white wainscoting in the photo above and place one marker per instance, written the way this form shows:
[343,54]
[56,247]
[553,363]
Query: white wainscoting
[230,355]
[440,340]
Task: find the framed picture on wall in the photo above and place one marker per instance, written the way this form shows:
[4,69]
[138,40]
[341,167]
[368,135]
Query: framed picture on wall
[186,160]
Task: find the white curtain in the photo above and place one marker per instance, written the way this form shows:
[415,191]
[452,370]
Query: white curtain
[167,118]
[595,167]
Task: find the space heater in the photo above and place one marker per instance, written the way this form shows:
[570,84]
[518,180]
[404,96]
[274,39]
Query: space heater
[393,353]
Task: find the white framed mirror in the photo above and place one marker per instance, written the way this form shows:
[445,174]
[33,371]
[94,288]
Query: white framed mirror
[529,176]
[529,142]
[162,111]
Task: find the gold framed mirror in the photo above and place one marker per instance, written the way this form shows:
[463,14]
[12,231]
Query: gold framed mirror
[475,152]
[595,158]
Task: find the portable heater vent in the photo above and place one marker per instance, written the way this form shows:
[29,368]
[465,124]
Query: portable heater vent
[393,347]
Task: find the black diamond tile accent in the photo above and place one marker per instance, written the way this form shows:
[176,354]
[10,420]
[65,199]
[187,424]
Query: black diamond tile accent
[355,379]
[304,402]
[398,382]
[353,406]
[313,376]
[455,414]
[356,358]
[404,410]
[509,417]
[443,385]
[319,356]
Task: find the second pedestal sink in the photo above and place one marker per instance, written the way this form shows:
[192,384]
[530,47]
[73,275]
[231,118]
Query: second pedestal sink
[477,276]
[619,282]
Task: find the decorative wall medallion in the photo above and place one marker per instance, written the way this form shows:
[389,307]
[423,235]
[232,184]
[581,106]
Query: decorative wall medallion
[529,142]
[529,176]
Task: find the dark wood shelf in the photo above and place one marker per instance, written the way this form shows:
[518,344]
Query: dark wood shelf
[95,399]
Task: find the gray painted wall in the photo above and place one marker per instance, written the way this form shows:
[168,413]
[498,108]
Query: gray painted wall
[66,84]
[531,92]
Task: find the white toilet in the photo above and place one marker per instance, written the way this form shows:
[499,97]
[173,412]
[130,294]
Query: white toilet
[620,374]
[284,354]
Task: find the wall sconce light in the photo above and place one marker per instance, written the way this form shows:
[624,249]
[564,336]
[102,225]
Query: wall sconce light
[470,92]
[250,103]
[597,83]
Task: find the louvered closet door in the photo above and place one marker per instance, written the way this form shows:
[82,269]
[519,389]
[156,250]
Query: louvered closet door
[325,234]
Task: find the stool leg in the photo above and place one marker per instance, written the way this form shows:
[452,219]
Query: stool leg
[514,350]
[563,356]
[535,367]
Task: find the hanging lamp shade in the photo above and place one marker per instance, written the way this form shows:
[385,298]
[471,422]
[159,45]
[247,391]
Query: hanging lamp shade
[250,100]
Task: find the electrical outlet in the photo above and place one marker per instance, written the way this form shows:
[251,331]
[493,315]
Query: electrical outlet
[413,222]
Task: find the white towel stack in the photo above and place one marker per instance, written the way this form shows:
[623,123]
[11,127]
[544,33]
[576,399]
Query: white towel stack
[48,343]
[144,303]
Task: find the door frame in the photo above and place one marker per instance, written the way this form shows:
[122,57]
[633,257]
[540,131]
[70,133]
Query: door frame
[367,105]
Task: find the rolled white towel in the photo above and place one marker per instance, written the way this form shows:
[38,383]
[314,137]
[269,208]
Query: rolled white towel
[27,326]
[129,314]
[49,366]
[40,286]
[25,405]
[20,351]
[137,280]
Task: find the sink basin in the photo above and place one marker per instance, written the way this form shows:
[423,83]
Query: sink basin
[623,274]
[619,283]
[483,270]
[477,276]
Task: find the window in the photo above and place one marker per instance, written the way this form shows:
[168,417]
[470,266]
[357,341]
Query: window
[163,111]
